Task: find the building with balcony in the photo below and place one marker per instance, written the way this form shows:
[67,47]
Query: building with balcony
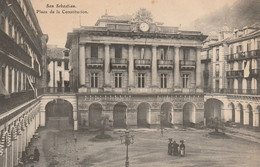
[234,94]
[134,70]
[22,75]
[58,69]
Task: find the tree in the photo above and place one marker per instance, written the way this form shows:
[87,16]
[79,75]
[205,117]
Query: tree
[216,123]
[143,15]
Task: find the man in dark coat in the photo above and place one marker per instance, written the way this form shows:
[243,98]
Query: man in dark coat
[182,148]
[175,148]
[36,154]
[170,146]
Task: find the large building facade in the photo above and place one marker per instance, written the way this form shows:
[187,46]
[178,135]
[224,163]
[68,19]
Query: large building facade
[22,74]
[137,72]
[234,76]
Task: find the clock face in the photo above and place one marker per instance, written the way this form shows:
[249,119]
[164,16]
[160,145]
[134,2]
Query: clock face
[144,27]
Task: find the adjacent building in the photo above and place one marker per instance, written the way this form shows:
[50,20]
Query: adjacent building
[137,71]
[58,69]
[22,75]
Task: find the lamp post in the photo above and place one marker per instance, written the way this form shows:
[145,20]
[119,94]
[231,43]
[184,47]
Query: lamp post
[127,140]
[161,117]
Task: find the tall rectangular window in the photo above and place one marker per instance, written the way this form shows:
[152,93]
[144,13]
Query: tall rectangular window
[10,29]
[217,54]
[118,80]
[10,80]
[140,80]
[162,54]
[239,48]
[163,80]
[2,23]
[185,80]
[59,63]
[15,81]
[186,54]
[66,65]
[94,80]
[248,47]
[217,70]
[3,75]
[94,51]
[118,52]
[19,81]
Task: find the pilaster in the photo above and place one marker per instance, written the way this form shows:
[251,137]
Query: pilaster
[82,69]
[177,68]
[131,66]
[154,66]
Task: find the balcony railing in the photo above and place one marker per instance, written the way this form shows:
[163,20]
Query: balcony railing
[255,72]
[9,46]
[244,55]
[232,91]
[235,73]
[187,64]
[119,63]
[94,62]
[15,99]
[165,64]
[142,63]
[53,90]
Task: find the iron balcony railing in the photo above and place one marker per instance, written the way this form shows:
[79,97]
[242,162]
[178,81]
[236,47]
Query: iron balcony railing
[142,61]
[58,90]
[187,64]
[94,61]
[244,55]
[118,61]
[235,73]
[255,72]
[164,62]
[233,91]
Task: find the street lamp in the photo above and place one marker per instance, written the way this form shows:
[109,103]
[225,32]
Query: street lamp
[127,140]
[161,117]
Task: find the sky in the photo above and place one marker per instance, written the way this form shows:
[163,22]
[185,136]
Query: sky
[170,12]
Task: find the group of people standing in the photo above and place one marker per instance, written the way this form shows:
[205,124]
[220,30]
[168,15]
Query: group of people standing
[175,148]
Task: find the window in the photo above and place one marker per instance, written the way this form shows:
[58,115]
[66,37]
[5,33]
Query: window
[239,48]
[217,70]
[185,80]
[66,65]
[217,54]
[2,23]
[186,54]
[163,80]
[59,63]
[10,29]
[10,80]
[162,54]
[140,80]
[15,36]
[118,52]
[94,80]
[94,51]
[66,53]
[19,81]
[248,47]
[118,80]
[60,76]
[15,81]
[142,53]
[3,75]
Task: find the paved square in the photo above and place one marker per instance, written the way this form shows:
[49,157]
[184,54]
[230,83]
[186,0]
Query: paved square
[149,149]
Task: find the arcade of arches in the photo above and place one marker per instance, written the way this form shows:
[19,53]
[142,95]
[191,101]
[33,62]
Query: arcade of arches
[244,114]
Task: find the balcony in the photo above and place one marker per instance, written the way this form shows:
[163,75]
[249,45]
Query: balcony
[9,46]
[165,64]
[119,63]
[233,91]
[142,63]
[255,72]
[187,64]
[235,74]
[244,55]
[94,63]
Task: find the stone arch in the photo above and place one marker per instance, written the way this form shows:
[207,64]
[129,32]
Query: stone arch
[213,109]
[250,115]
[256,117]
[119,115]
[95,113]
[239,114]
[143,114]
[167,111]
[59,114]
[189,110]
[233,111]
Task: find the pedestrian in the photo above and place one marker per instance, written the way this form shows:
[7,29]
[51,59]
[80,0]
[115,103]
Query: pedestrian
[36,155]
[170,146]
[182,148]
[175,148]
[75,139]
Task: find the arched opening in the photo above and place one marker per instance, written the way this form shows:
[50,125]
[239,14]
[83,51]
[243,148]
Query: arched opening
[250,115]
[119,115]
[167,114]
[59,114]
[240,107]
[95,112]
[213,109]
[189,110]
[232,106]
[143,115]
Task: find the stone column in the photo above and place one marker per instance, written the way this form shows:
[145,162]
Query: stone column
[75,118]
[154,66]
[15,158]
[177,68]
[256,118]
[42,117]
[107,67]
[82,69]
[246,116]
[131,66]
[7,79]
[237,115]
[198,68]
